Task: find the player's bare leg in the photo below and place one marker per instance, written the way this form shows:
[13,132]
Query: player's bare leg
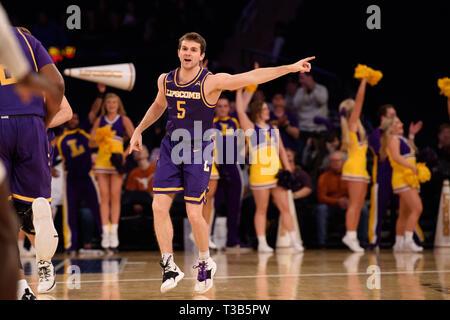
[164,235]
[45,242]
[206,265]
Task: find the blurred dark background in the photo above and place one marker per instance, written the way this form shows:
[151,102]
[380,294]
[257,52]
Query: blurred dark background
[410,49]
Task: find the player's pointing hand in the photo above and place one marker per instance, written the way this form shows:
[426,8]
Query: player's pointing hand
[303,65]
[136,142]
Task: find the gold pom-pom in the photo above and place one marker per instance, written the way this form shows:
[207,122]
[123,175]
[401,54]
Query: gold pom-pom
[374,77]
[423,173]
[363,71]
[444,85]
[251,88]
[411,178]
[104,137]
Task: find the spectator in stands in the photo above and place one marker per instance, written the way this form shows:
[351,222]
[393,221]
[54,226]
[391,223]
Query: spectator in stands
[304,178]
[443,146]
[310,100]
[316,154]
[332,196]
[285,121]
[139,186]
[291,90]
[49,32]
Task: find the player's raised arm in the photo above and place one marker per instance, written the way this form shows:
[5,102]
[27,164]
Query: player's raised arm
[225,81]
[153,113]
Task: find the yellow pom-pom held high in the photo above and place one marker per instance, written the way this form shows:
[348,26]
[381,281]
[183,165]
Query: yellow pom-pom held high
[363,71]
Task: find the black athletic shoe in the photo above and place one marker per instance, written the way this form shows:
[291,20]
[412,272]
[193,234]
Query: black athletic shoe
[171,275]
[28,295]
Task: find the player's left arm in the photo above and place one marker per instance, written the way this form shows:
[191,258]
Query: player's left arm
[225,81]
[129,129]
[53,100]
[64,114]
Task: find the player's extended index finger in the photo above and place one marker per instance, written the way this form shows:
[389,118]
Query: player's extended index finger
[309,58]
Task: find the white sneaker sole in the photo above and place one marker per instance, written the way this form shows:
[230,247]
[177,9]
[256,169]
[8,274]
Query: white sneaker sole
[42,291]
[173,284]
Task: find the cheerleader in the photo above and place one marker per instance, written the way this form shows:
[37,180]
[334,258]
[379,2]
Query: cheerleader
[108,133]
[264,165]
[354,142]
[401,155]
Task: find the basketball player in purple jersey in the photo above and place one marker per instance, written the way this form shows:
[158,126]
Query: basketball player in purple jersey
[26,156]
[190,93]
[27,84]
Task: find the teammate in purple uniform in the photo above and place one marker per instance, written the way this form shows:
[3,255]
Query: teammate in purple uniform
[231,184]
[79,182]
[26,156]
[190,93]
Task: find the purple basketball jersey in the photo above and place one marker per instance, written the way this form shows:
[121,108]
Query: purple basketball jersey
[187,103]
[37,57]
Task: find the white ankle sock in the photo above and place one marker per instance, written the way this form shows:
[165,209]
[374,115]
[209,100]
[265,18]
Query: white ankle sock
[408,236]
[114,228]
[293,236]
[399,238]
[22,285]
[351,235]
[203,256]
[106,229]
[262,241]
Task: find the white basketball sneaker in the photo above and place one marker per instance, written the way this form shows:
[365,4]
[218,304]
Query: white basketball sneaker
[264,248]
[171,274]
[105,240]
[298,247]
[353,244]
[24,291]
[212,245]
[410,246]
[46,273]
[398,246]
[206,271]
[113,240]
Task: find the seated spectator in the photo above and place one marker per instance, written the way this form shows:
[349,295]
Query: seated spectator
[315,156]
[286,121]
[310,101]
[332,195]
[443,146]
[291,89]
[304,178]
[139,185]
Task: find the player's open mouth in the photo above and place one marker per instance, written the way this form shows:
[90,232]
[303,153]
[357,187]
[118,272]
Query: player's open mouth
[187,60]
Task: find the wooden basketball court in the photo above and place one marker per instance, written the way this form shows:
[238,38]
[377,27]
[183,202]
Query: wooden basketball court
[314,274]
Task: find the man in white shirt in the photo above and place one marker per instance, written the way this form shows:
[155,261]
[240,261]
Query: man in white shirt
[310,101]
